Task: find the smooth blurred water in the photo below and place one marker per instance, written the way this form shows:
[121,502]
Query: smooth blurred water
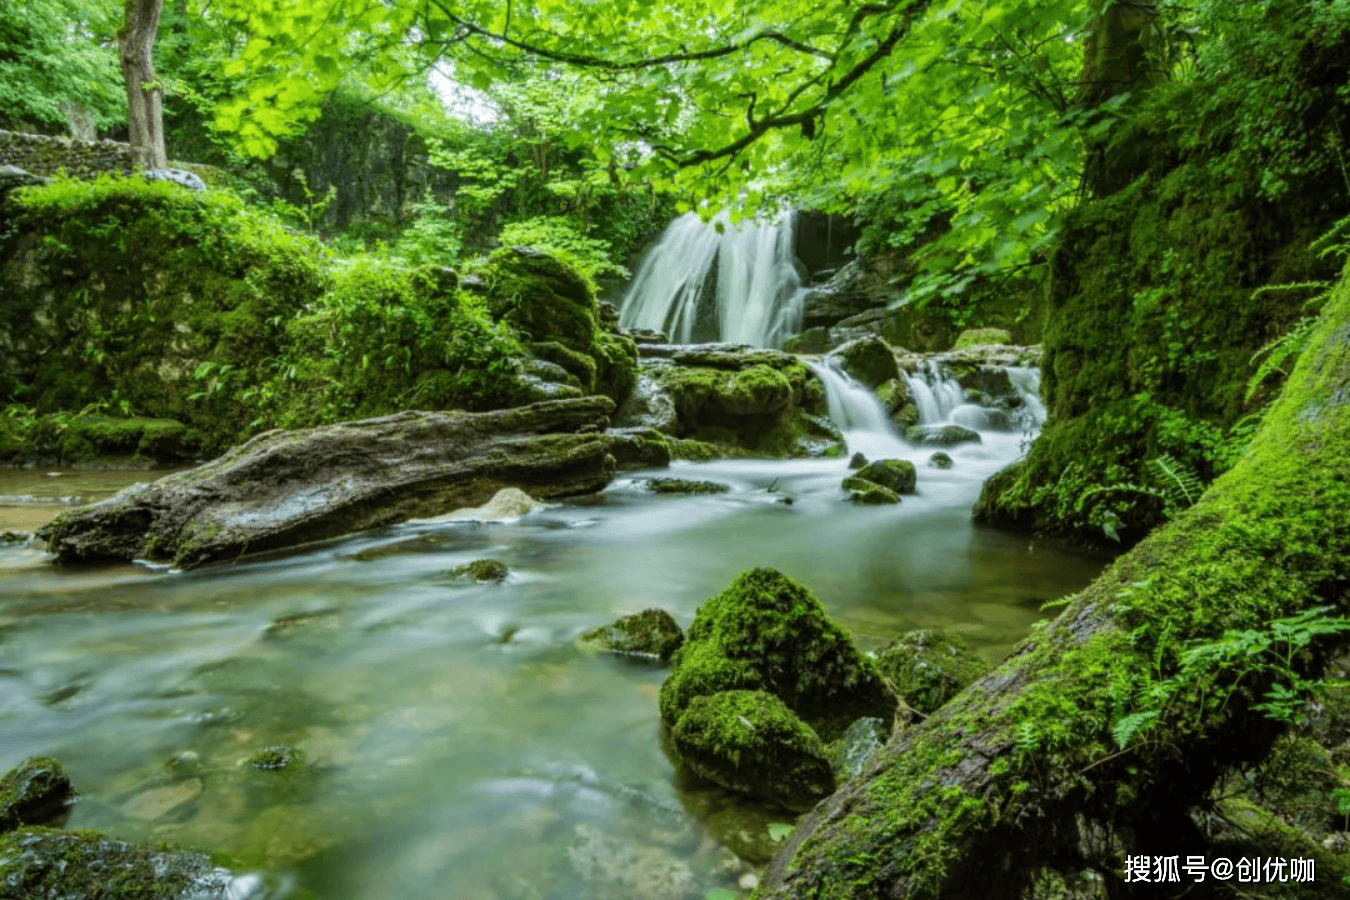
[456,744]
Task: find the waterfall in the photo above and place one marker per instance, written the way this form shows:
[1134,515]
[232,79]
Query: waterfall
[719,282]
[1027,382]
[936,395]
[857,412]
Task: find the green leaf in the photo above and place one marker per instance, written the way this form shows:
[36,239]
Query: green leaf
[779,830]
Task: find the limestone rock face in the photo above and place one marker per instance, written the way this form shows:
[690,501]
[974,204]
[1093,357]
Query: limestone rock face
[284,488]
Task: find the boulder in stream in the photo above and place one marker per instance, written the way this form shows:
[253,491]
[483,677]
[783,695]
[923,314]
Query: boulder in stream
[35,792]
[284,488]
[897,475]
[492,571]
[651,634]
[767,632]
[940,460]
[869,359]
[929,667]
[750,742]
[942,435]
[684,486]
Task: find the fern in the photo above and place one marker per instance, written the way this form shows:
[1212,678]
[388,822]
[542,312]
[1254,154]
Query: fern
[1181,486]
[1285,348]
[1126,727]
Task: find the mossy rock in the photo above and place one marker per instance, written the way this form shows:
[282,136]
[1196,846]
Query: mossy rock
[940,460]
[896,475]
[869,359]
[768,632]
[35,792]
[616,366]
[693,450]
[42,863]
[710,396]
[865,493]
[87,438]
[750,742]
[857,746]
[982,337]
[542,297]
[651,634]
[492,571]
[929,667]
[578,365]
[942,435]
[684,486]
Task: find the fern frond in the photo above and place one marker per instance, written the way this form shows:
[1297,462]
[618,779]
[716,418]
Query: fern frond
[1181,486]
[1285,348]
[1292,286]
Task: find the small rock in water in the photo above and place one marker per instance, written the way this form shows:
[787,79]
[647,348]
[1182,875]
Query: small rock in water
[857,461]
[651,634]
[35,792]
[612,869]
[941,435]
[508,503]
[940,460]
[276,757]
[868,494]
[748,882]
[864,738]
[483,570]
[684,486]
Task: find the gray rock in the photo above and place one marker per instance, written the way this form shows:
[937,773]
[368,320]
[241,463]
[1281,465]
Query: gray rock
[284,488]
[12,177]
[851,753]
[648,406]
[180,177]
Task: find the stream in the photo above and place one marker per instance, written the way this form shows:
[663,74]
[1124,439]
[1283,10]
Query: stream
[448,740]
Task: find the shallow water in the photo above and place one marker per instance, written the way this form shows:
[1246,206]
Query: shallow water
[455,744]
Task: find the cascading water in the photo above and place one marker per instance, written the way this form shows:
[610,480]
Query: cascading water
[858,413]
[719,282]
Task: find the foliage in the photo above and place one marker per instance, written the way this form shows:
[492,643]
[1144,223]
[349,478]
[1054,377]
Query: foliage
[58,57]
[558,235]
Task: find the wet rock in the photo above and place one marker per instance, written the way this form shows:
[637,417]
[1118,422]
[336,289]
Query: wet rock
[41,864]
[750,742]
[532,389]
[651,634]
[644,448]
[844,295]
[982,337]
[506,504]
[180,177]
[898,400]
[897,475]
[284,488]
[480,570]
[274,758]
[851,753]
[758,634]
[864,493]
[549,371]
[718,350]
[857,461]
[156,803]
[941,435]
[648,336]
[614,869]
[940,460]
[868,359]
[812,340]
[684,486]
[821,426]
[929,667]
[35,792]
[12,177]
[731,359]
[648,406]
[12,538]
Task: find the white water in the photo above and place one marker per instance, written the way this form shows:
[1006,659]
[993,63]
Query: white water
[759,289]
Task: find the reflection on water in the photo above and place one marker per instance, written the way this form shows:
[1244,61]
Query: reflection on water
[452,743]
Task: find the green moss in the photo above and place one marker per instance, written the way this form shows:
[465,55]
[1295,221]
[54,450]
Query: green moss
[865,493]
[542,297]
[616,358]
[274,758]
[927,668]
[39,862]
[768,632]
[492,570]
[980,337]
[897,475]
[870,360]
[750,742]
[684,486]
[34,792]
[650,634]
[578,365]
[693,450]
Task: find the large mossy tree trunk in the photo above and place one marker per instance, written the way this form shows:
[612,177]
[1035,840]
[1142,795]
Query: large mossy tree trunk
[145,96]
[1024,772]
[1116,61]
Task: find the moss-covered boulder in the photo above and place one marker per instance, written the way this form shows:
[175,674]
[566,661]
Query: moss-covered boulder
[125,442]
[552,305]
[492,571]
[750,742]
[865,493]
[896,475]
[898,401]
[940,460]
[42,863]
[868,359]
[767,632]
[982,337]
[35,792]
[942,435]
[929,667]
[651,634]
[684,486]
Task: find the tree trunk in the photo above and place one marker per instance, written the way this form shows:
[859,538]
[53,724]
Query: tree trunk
[1024,774]
[145,96]
[1116,60]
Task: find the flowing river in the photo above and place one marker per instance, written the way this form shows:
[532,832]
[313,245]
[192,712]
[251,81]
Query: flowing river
[448,740]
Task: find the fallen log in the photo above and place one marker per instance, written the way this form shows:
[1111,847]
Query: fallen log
[284,488]
[1099,734]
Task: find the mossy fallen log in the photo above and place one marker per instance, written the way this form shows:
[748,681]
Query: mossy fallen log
[1101,732]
